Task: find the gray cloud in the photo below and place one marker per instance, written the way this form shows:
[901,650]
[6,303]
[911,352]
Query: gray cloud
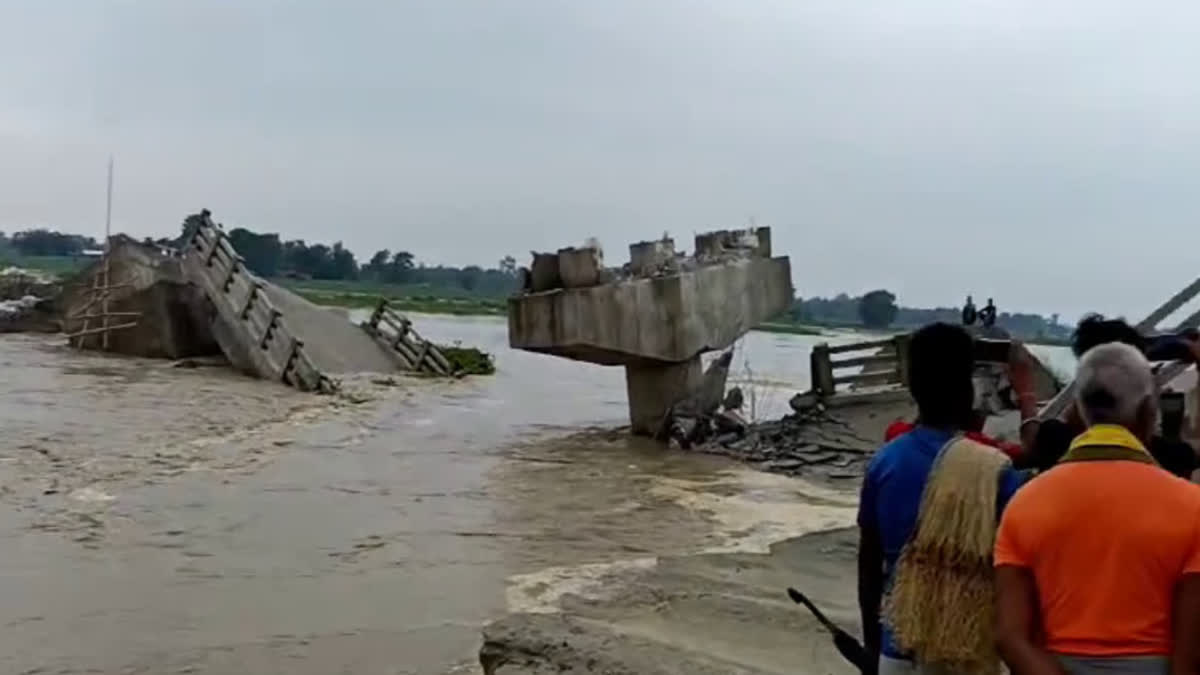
[1041,154]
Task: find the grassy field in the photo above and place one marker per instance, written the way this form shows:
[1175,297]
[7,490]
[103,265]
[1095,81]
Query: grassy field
[62,266]
[407,298]
[789,328]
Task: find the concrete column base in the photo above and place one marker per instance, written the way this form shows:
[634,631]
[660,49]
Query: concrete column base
[652,390]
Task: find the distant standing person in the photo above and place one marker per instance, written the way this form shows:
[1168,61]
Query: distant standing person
[987,315]
[969,314]
[1098,560]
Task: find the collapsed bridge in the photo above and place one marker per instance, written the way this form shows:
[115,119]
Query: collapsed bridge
[202,300]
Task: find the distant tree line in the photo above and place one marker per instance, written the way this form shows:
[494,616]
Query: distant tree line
[42,242]
[269,256]
[878,309]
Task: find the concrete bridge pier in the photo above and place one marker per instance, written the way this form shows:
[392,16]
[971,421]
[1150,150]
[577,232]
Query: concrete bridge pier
[652,390]
[655,316]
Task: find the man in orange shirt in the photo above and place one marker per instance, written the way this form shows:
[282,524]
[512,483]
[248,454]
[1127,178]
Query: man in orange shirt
[1098,560]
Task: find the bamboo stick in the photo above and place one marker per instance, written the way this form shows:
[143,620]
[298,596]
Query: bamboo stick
[93,331]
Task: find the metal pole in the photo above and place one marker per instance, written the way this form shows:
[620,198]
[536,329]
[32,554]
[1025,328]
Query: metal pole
[107,253]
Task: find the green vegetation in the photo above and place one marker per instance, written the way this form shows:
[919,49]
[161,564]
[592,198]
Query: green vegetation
[468,360]
[418,298]
[268,255]
[61,266]
[789,328]
[878,310]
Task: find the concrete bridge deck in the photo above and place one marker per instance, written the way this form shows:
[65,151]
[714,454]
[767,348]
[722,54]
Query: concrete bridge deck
[269,331]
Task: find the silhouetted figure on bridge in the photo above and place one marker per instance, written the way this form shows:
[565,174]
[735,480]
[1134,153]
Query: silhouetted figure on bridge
[987,315]
[968,312]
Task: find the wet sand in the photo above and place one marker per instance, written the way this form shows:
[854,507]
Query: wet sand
[700,613]
[161,520]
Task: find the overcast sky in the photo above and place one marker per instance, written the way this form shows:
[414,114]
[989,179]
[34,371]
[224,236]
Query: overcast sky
[1044,153]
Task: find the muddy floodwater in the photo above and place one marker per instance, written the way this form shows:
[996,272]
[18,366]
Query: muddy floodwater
[170,520]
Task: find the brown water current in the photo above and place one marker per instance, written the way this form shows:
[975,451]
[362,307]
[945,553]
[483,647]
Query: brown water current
[167,520]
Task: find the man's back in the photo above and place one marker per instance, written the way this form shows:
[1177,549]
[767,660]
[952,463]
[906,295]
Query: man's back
[1106,541]
[891,496]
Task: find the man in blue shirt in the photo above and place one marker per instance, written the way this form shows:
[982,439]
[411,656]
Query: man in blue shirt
[941,366]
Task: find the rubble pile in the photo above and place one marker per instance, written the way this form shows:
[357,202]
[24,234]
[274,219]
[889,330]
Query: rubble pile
[26,301]
[17,283]
[815,442]
[28,314]
[820,444]
[581,267]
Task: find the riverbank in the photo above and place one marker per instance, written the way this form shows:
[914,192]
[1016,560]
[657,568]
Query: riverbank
[705,614]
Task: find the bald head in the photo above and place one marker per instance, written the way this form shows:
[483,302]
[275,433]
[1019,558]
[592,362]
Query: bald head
[1114,385]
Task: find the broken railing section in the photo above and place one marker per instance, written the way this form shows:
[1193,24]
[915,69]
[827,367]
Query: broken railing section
[395,332]
[875,370]
[878,363]
[251,331]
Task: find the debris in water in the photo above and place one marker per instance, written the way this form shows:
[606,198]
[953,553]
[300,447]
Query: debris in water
[468,360]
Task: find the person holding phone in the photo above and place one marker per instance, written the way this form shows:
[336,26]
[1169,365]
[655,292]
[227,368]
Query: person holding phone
[1170,450]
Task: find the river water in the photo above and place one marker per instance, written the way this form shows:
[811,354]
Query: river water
[167,520]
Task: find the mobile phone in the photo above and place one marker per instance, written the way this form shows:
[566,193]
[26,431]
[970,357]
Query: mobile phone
[1170,407]
[992,351]
[1171,403]
[1169,347]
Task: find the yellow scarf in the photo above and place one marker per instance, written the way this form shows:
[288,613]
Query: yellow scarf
[1105,442]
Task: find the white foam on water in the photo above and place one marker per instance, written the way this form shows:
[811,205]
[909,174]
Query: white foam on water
[540,592]
[91,495]
[750,510]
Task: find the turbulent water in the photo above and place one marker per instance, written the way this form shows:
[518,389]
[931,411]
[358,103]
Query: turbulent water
[162,520]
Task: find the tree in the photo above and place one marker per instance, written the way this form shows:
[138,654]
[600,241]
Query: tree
[342,264]
[263,253]
[468,277]
[877,309]
[401,268]
[42,242]
[377,267]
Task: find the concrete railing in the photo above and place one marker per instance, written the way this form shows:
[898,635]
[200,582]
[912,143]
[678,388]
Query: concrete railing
[251,331]
[394,331]
[880,363]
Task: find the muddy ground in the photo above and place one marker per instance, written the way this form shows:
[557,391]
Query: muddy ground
[699,614]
